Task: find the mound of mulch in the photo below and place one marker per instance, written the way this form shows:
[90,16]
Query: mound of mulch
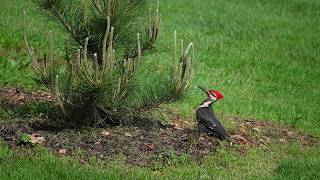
[139,146]
[136,145]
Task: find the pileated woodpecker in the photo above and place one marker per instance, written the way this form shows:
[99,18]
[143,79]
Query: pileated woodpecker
[207,121]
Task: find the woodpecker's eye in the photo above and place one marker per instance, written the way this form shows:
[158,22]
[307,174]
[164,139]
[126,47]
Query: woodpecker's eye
[212,94]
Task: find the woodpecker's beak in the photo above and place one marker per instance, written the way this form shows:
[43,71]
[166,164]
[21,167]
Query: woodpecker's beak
[208,93]
[212,94]
[203,89]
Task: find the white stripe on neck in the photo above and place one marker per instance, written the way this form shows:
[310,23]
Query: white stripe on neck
[206,104]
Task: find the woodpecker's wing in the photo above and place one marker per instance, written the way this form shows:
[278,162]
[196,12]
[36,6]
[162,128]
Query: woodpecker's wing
[206,117]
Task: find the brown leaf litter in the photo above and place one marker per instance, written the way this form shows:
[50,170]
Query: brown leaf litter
[18,97]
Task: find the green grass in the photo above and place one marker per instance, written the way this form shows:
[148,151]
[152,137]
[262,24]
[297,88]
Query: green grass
[287,163]
[263,55]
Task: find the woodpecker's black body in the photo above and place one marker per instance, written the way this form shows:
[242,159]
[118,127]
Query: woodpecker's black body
[207,121]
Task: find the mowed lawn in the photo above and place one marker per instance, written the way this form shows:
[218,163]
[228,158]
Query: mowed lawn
[263,55]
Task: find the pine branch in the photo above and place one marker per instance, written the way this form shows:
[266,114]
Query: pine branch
[67,26]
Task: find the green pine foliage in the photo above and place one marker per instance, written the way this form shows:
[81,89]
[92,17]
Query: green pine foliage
[97,84]
[88,18]
[90,93]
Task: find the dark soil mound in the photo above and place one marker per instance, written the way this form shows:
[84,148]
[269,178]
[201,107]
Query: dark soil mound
[140,146]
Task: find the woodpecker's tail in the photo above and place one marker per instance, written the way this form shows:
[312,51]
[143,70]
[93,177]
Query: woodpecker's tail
[204,129]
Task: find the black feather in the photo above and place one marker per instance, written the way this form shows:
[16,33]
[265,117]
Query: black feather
[208,122]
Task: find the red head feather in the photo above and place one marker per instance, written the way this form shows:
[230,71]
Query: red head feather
[216,93]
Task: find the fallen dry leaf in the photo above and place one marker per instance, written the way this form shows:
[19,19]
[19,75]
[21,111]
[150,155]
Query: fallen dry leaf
[266,138]
[241,139]
[82,161]
[256,129]
[36,139]
[97,143]
[62,151]
[263,142]
[105,133]
[176,125]
[282,140]
[288,132]
[128,134]
[178,128]
[150,146]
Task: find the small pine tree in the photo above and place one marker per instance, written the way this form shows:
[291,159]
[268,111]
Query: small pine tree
[97,80]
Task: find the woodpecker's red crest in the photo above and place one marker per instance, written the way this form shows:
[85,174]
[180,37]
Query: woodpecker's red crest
[216,94]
